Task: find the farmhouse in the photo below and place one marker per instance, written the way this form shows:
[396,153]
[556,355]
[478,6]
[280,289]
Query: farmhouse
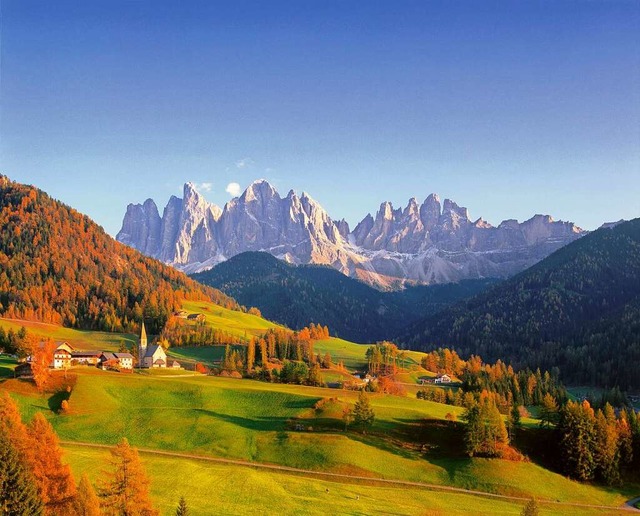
[62,356]
[109,360]
[85,357]
[445,378]
[196,317]
[150,356]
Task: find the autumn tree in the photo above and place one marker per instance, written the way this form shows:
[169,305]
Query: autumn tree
[86,502]
[18,491]
[41,358]
[363,414]
[251,355]
[16,430]
[607,446]
[183,509]
[347,417]
[531,508]
[54,478]
[127,490]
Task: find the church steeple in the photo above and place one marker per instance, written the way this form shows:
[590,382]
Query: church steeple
[142,348]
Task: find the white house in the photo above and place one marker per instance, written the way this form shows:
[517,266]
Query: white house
[445,378]
[125,360]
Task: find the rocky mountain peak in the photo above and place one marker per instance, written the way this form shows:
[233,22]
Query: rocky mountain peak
[427,243]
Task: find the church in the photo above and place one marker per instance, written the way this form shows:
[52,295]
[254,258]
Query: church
[150,356]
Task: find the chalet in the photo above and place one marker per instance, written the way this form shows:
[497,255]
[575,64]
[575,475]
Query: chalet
[125,360]
[196,317]
[61,358]
[445,378]
[176,365]
[150,356]
[109,360]
[85,357]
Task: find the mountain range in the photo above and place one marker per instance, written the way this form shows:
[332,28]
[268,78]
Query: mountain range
[578,309]
[426,243]
[297,295]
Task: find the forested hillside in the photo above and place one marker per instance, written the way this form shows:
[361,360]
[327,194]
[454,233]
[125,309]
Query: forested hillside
[58,266]
[579,310]
[299,295]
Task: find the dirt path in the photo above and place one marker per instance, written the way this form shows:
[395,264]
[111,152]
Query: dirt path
[343,478]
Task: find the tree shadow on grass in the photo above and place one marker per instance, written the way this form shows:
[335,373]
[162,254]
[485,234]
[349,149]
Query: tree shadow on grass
[262,424]
[305,403]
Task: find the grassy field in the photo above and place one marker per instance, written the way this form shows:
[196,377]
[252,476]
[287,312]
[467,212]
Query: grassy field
[250,420]
[288,425]
[236,323]
[79,339]
[211,488]
[6,366]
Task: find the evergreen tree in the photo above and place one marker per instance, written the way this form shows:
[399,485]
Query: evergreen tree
[485,432]
[607,446]
[182,509]
[576,436]
[53,477]
[87,502]
[363,414]
[18,491]
[548,411]
[127,491]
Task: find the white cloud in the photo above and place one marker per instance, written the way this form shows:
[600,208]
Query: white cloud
[244,163]
[204,187]
[233,189]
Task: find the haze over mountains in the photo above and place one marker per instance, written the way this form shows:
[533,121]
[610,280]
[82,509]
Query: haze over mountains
[426,243]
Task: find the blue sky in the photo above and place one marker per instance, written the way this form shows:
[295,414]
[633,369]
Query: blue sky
[509,108]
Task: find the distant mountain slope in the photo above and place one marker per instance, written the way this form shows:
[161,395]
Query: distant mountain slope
[426,243]
[579,309]
[58,266]
[299,295]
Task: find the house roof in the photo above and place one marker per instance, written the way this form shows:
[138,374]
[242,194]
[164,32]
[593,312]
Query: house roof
[108,355]
[90,353]
[123,355]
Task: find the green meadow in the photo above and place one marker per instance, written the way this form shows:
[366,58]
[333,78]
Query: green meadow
[255,421]
[211,488]
[284,425]
[240,324]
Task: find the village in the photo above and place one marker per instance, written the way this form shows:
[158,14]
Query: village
[65,356]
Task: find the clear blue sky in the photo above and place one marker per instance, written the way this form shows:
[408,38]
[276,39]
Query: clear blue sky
[509,108]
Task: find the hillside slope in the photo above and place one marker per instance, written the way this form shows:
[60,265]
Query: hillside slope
[58,266]
[298,295]
[579,310]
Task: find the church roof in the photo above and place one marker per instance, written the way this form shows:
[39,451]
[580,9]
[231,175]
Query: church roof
[151,350]
[143,333]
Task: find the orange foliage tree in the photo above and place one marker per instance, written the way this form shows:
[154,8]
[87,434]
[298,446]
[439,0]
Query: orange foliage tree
[41,358]
[127,491]
[53,477]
